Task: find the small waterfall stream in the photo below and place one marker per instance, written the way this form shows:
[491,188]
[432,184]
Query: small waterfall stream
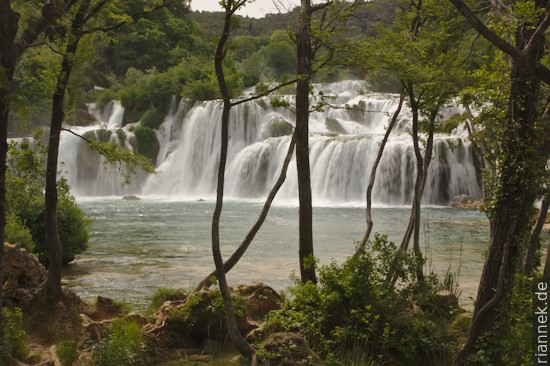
[344,142]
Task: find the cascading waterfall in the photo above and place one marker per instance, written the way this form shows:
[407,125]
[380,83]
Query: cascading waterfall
[344,142]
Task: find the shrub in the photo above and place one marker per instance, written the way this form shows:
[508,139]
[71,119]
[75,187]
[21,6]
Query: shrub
[147,142]
[13,344]
[355,303]
[152,119]
[67,352]
[510,341]
[163,294]
[121,347]
[18,233]
[25,203]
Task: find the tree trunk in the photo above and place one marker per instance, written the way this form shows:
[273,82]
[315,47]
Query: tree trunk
[303,43]
[51,288]
[236,256]
[535,236]
[520,168]
[9,25]
[234,335]
[372,179]
[415,211]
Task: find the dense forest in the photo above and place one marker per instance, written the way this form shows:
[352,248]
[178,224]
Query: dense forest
[61,60]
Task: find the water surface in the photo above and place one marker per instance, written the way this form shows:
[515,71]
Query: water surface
[139,246]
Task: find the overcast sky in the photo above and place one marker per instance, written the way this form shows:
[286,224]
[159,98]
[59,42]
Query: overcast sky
[255,9]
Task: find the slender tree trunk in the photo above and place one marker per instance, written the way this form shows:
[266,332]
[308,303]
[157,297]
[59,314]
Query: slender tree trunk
[236,256]
[234,335]
[535,236]
[517,182]
[51,288]
[415,211]
[372,179]
[304,71]
[9,25]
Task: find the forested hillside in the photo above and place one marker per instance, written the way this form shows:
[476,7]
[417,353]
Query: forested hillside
[457,92]
[166,53]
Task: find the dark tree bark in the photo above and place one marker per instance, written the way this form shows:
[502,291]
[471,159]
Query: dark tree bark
[51,288]
[518,176]
[10,51]
[372,178]
[304,71]
[234,335]
[9,25]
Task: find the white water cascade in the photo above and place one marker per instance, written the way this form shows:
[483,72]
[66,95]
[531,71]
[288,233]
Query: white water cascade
[344,142]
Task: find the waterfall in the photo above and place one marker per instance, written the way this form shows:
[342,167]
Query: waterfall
[344,140]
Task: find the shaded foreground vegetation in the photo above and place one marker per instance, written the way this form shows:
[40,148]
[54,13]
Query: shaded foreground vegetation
[355,316]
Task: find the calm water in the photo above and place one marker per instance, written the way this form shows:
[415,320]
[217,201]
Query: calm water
[139,246]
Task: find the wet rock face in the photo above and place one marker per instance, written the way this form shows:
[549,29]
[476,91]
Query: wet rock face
[23,273]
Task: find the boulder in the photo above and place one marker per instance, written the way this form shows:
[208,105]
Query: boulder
[287,349]
[106,308]
[464,201]
[23,273]
[259,300]
[446,300]
[131,197]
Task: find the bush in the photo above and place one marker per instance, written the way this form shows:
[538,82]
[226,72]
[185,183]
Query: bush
[355,303]
[147,143]
[26,206]
[152,119]
[67,352]
[13,345]
[17,233]
[121,347]
[163,294]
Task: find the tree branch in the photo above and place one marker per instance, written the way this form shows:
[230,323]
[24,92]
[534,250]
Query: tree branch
[541,71]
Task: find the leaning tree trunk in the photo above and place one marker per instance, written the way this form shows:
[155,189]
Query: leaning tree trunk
[372,179]
[303,43]
[415,210]
[520,167]
[234,335]
[236,256]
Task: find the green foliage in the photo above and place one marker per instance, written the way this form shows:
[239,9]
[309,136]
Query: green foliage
[203,315]
[17,233]
[13,345]
[355,302]
[147,143]
[67,352]
[121,347]
[26,206]
[510,341]
[152,119]
[164,294]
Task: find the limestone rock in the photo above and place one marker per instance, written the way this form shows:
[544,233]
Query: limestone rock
[464,201]
[446,300]
[131,198]
[23,273]
[287,349]
[259,299]
[106,308]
